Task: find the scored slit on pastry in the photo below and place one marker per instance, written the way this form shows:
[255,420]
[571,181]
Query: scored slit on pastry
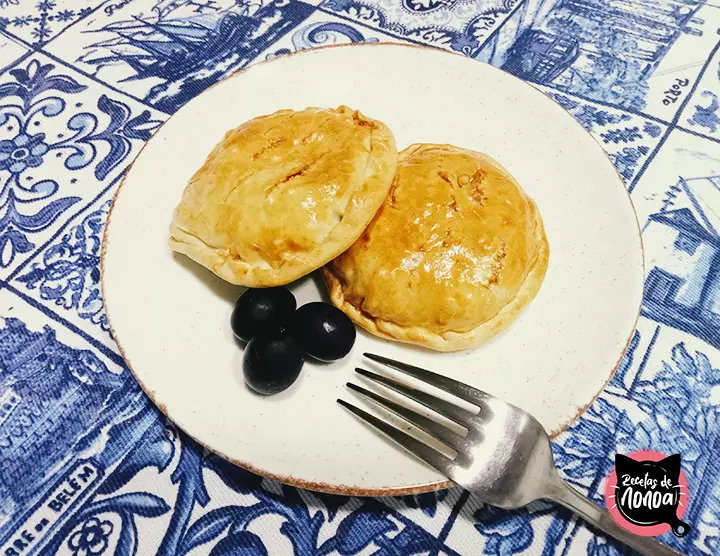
[451,258]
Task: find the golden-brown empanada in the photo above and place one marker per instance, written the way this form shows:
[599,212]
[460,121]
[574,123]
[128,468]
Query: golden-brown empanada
[455,253]
[283,194]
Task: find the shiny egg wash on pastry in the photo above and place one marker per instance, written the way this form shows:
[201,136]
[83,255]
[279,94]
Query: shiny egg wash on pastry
[284,193]
[451,258]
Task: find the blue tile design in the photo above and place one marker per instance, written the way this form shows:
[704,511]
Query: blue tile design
[55,402]
[460,25]
[705,115]
[68,274]
[701,113]
[89,466]
[50,140]
[323,29]
[38,21]
[46,137]
[603,51]
[175,50]
[682,289]
[627,137]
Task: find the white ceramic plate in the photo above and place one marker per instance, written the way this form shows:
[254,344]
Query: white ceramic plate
[171,317]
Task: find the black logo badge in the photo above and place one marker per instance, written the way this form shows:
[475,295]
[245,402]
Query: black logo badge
[648,492]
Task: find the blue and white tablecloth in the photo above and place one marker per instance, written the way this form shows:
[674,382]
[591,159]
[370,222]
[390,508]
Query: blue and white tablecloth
[89,466]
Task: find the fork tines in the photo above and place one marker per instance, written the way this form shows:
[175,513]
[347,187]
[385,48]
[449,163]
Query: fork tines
[431,427]
[462,391]
[413,445]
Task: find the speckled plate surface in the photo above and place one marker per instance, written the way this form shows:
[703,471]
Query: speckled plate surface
[171,317]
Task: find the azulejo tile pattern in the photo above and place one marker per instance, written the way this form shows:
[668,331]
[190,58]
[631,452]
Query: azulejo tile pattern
[85,84]
[165,53]
[627,138]
[38,21]
[460,25]
[324,29]
[62,137]
[67,272]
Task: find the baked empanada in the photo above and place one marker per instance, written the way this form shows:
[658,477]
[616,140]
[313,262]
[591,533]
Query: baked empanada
[283,194]
[454,254]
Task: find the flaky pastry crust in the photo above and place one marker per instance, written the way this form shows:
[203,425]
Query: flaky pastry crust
[283,194]
[451,258]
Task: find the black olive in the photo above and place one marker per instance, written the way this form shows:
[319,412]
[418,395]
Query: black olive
[273,360]
[259,309]
[327,333]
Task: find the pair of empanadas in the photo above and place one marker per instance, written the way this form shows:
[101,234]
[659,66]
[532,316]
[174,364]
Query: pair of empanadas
[436,245]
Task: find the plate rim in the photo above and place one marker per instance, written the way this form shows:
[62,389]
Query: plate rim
[341,489]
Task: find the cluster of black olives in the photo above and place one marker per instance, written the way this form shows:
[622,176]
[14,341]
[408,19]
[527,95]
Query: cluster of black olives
[280,338]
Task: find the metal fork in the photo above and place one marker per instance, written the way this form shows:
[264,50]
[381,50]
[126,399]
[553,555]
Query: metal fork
[505,457]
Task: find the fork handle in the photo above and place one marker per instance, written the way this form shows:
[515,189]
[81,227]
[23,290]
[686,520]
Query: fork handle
[562,493]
